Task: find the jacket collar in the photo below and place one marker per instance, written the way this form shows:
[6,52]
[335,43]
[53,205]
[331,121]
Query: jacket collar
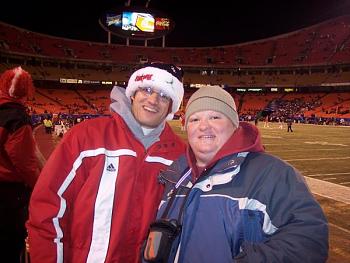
[246,138]
[220,173]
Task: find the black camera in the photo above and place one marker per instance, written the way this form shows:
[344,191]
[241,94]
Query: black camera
[160,238]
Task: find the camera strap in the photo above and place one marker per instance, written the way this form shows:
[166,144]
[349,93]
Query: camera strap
[176,188]
[164,231]
[174,192]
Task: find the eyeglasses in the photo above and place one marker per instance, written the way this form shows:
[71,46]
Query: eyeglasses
[148,91]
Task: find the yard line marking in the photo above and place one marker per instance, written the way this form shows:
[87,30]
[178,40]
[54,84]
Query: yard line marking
[326,143]
[329,190]
[274,144]
[298,150]
[271,137]
[339,227]
[318,159]
[316,175]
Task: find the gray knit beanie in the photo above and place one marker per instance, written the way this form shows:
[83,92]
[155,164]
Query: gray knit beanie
[212,98]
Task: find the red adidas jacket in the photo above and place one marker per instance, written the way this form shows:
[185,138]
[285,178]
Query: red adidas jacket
[98,193]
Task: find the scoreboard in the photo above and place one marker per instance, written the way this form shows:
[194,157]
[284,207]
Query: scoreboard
[137,23]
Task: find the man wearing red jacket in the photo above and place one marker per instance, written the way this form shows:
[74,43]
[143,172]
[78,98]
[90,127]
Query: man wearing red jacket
[19,166]
[99,190]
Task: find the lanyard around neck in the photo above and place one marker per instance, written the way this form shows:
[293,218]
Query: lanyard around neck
[176,188]
[174,192]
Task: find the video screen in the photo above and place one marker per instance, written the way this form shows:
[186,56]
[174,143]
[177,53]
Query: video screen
[112,19]
[135,21]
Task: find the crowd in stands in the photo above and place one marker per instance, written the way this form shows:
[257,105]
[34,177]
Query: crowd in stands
[301,107]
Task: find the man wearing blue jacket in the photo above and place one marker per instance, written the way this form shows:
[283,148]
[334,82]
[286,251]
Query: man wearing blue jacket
[226,200]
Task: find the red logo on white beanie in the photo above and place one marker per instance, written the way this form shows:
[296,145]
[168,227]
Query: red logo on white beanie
[144,77]
[159,79]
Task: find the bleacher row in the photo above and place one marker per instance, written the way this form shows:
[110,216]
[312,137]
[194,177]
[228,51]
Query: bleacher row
[324,43]
[316,57]
[245,79]
[325,105]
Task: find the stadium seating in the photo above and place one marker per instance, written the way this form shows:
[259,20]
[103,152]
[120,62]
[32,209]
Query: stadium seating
[69,73]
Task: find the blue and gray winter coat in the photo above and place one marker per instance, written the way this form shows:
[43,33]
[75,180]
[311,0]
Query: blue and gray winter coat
[247,206]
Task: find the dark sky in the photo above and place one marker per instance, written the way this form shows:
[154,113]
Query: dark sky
[198,23]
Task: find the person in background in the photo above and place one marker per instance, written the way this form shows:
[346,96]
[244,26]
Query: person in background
[182,121]
[48,125]
[289,124]
[256,120]
[98,192]
[226,200]
[266,122]
[19,164]
[280,121]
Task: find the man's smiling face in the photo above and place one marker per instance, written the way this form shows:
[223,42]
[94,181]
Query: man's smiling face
[149,109]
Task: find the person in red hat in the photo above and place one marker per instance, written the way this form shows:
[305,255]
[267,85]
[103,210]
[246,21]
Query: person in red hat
[19,166]
[99,190]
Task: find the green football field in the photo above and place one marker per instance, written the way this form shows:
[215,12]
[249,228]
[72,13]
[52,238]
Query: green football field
[317,151]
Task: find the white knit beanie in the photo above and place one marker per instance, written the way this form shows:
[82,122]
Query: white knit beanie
[162,77]
[212,98]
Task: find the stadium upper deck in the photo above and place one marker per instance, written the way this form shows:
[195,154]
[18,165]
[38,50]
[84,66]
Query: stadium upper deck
[324,43]
[317,56]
